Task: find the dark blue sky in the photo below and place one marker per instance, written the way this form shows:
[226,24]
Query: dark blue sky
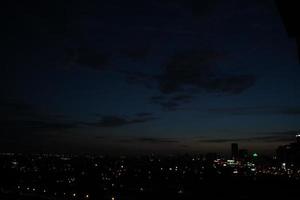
[157,75]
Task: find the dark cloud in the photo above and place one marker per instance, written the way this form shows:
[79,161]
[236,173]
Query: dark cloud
[281,136]
[264,110]
[166,103]
[111,121]
[151,140]
[283,133]
[185,69]
[14,110]
[171,103]
[35,125]
[197,70]
[140,78]
[117,121]
[14,107]
[230,84]
[157,140]
[187,74]
[264,139]
[157,98]
[21,121]
[289,111]
[144,114]
[182,98]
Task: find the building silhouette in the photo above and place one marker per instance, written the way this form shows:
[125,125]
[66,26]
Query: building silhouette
[290,153]
[234,151]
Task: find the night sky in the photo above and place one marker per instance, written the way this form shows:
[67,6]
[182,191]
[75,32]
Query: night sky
[146,76]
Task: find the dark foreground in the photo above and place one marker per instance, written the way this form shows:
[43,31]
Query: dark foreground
[61,177]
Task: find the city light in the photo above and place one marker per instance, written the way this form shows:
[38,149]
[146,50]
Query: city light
[116,178]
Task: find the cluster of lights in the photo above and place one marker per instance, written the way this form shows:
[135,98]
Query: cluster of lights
[112,173]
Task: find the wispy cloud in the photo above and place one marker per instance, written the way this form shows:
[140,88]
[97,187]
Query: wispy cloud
[144,114]
[150,140]
[266,137]
[21,120]
[182,98]
[117,121]
[171,102]
[157,140]
[189,73]
[196,69]
[268,110]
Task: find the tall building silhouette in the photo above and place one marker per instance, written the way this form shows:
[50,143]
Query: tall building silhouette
[298,138]
[234,150]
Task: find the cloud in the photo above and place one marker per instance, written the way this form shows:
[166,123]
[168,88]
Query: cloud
[250,139]
[264,110]
[12,107]
[151,140]
[187,74]
[88,57]
[117,121]
[22,121]
[288,111]
[282,133]
[144,114]
[157,140]
[268,137]
[140,78]
[171,103]
[182,98]
[233,84]
[35,125]
[197,70]
[166,103]
[157,98]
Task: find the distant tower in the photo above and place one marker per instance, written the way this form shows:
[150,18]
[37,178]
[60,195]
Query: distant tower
[298,138]
[234,150]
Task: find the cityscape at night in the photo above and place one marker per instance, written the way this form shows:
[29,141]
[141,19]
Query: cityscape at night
[149,99]
[69,176]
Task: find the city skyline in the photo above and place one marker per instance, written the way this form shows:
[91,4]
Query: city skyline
[147,76]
